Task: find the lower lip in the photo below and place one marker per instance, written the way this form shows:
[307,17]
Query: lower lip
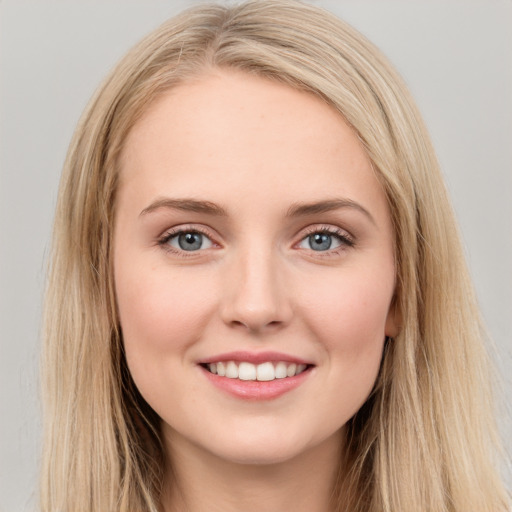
[254,389]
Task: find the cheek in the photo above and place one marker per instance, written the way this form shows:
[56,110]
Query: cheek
[160,312]
[353,307]
[348,316]
[161,316]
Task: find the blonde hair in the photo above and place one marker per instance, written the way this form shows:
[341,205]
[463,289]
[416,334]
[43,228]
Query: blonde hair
[426,439]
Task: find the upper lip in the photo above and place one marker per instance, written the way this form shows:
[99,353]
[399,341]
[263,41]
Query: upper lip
[254,358]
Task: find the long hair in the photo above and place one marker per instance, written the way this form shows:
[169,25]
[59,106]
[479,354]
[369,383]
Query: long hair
[426,439]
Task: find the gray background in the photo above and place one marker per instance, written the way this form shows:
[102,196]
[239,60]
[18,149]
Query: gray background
[456,57]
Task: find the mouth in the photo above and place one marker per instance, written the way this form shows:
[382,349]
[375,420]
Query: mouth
[256,375]
[264,372]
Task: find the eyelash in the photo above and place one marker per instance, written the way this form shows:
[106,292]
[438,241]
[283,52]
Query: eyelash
[164,240]
[346,240]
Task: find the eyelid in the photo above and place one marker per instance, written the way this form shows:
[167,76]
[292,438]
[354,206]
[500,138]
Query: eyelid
[170,233]
[346,238]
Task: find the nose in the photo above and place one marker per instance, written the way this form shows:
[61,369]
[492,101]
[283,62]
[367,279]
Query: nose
[254,293]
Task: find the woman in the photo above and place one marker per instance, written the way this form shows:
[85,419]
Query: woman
[256,273]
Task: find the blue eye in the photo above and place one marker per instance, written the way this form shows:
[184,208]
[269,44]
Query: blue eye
[322,241]
[189,241]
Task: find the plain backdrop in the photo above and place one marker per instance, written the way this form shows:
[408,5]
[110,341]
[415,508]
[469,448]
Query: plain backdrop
[456,57]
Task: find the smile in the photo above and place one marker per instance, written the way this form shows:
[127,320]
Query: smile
[264,372]
[256,375]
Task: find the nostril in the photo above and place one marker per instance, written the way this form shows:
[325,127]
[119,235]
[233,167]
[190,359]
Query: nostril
[238,323]
[256,325]
[256,307]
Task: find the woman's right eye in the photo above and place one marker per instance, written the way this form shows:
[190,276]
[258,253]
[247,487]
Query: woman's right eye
[189,241]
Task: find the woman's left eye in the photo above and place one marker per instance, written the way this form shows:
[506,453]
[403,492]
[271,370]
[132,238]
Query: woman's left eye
[189,241]
[322,241]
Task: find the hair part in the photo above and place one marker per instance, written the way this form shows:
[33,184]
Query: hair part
[426,439]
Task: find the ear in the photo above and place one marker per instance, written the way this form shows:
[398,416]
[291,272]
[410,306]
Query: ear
[393,320]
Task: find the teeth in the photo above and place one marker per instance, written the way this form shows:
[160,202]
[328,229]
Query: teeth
[246,371]
[281,370]
[265,371]
[290,371]
[261,372]
[232,370]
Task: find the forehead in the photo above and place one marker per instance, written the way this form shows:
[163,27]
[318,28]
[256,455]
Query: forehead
[232,134]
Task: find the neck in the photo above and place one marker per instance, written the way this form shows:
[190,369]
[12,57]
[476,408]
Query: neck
[200,481]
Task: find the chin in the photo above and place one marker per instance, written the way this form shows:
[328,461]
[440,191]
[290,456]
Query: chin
[256,453]
[268,446]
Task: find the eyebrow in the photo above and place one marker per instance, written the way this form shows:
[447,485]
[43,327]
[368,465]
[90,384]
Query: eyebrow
[295,210]
[186,205]
[304,209]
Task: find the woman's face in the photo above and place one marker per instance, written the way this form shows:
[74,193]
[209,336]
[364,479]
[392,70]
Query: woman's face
[252,239]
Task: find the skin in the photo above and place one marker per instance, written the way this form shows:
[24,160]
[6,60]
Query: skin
[256,149]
